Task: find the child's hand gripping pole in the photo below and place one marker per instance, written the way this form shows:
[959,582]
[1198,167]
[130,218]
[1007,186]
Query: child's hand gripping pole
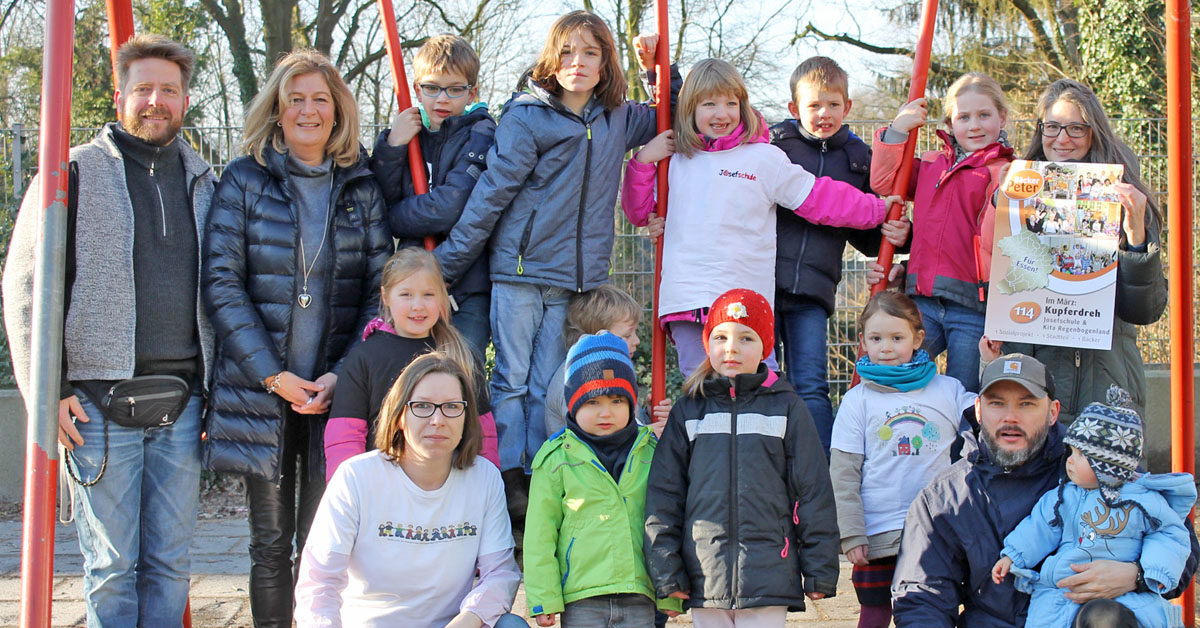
[916,90]
[662,62]
[416,162]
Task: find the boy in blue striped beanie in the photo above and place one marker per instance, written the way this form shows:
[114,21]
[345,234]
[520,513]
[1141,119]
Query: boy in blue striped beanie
[587,498]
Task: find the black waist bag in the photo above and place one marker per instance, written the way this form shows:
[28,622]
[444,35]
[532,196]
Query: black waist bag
[146,401]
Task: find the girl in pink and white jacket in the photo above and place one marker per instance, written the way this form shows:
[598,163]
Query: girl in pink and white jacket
[724,186]
[414,319]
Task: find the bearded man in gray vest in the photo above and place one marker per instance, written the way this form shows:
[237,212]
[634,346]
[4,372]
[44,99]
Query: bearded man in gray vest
[138,197]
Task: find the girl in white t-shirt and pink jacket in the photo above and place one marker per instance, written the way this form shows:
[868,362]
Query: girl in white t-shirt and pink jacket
[725,182]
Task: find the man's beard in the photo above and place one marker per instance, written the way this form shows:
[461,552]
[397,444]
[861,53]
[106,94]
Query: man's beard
[1009,459]
[137,128]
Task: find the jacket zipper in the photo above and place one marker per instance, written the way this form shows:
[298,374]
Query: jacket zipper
[804,237]
[1075,393]
[587,168]
[162,208]
[735,542]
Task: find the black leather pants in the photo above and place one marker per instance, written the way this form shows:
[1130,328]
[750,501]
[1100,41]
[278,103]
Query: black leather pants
[277,515]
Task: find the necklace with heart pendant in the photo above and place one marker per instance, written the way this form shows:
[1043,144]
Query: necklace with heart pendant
[304,298]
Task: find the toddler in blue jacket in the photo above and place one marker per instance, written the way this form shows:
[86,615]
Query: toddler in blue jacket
[1105,511]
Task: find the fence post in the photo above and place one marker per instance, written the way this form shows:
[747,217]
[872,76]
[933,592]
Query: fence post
[17,174]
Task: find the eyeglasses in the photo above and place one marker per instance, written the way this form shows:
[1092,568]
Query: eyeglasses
[429,90]
[1052,129]
[424,409]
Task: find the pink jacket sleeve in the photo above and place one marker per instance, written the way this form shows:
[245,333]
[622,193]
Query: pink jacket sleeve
[345,437]
[491,444]
[839,204]
[885,164]
[637,192]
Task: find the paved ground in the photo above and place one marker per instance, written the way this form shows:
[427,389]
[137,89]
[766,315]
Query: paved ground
[220,567]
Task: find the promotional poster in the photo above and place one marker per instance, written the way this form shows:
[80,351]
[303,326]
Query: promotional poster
[1054,261]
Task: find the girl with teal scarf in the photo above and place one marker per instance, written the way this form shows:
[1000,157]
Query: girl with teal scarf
[893,433]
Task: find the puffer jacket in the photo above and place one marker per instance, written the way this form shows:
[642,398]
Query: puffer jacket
[1082,376]
[739,510]
[808,257]
[249,282]
[952,205]
[954,533]
[456,153]
[544,206]
[583,530]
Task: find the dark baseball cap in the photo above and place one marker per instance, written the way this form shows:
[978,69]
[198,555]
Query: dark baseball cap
[1019,368]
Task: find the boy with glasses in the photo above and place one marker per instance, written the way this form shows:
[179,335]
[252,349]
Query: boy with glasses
[455,133]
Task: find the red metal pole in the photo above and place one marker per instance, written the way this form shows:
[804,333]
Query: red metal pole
[416,162]
[662,65]
[1181,247]
[120,28]
[916,90]
[41,400]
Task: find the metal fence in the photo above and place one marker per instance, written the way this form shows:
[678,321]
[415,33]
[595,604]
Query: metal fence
[633,254]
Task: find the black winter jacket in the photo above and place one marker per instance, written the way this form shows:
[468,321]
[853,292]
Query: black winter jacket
[953,535]
[808,257]
[249,281]
[739,508]
[457,153]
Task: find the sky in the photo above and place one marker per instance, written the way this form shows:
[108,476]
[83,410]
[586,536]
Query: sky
[860,19]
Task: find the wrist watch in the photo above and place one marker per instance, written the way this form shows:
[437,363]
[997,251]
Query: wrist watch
[1140,585]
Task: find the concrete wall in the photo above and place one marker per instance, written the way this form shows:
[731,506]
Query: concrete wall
[12,427]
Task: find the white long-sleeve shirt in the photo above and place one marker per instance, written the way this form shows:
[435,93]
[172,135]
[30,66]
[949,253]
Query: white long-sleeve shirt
[384,552]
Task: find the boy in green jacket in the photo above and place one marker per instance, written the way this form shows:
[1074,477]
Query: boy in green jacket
[587,500]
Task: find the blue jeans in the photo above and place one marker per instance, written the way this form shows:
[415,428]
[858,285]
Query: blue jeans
[955,329]
[624,610]
[472,321]
[136,523]
[527,323]
[508,620]
[802,329]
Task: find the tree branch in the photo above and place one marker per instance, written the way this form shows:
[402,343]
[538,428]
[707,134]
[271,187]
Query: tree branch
[934,66]
[1040,40]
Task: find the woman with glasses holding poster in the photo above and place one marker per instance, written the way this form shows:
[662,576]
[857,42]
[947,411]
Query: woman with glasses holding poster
[1072,126]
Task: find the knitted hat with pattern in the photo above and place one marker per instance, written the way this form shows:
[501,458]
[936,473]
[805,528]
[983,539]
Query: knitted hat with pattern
[1110,437]
[748,308]
[599,365]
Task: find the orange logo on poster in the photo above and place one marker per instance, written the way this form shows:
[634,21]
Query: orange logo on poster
[1023,184]
[1025,312]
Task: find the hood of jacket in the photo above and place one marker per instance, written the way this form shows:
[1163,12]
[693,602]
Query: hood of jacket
[1179,489]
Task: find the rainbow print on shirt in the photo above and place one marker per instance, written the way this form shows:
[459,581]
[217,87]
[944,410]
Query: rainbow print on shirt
[907,432]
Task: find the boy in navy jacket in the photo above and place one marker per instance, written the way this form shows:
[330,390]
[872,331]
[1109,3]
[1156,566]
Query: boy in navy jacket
[808,260]
[455,133]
